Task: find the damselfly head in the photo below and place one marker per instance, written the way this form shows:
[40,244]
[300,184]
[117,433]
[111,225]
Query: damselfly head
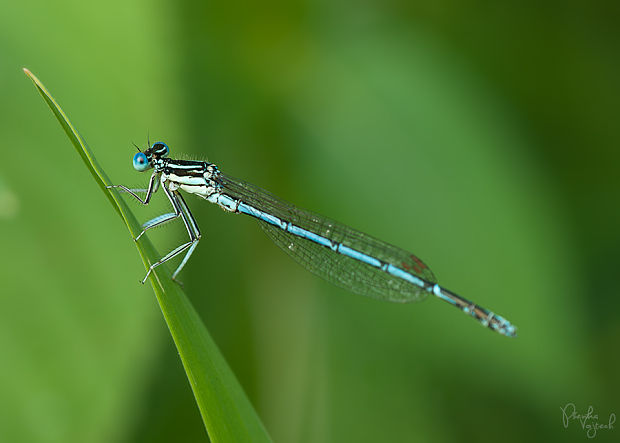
[145,160]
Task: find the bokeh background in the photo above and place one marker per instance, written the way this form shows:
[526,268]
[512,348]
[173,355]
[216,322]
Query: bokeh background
[482,136]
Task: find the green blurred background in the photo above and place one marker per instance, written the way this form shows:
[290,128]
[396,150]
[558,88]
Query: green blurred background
[483,137]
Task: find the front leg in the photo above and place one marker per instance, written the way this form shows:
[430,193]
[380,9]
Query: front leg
[153,186]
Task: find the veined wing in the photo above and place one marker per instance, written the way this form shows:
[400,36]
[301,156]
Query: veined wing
[347,272]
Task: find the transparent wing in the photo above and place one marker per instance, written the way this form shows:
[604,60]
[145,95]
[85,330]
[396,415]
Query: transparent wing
[346,272]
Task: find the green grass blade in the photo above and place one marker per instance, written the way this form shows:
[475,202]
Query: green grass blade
[226,411]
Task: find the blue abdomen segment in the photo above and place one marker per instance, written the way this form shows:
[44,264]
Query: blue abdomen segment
[338,248]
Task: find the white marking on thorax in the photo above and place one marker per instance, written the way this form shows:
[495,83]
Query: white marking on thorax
[192,185]
[187,180]
[201,190]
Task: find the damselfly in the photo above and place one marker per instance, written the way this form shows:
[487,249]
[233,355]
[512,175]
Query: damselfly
[341,255]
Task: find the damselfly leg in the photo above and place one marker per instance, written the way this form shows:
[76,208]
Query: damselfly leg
[153,186]
[181,210]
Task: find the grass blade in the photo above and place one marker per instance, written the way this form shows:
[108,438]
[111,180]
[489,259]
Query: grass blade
[226,411]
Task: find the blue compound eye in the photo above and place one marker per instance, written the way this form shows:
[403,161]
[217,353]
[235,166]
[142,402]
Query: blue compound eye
[140,162]
[160,149]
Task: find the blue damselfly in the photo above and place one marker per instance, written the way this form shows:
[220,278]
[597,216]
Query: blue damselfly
[341,255]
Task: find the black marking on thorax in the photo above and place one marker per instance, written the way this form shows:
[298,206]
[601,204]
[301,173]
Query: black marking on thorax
[187,168]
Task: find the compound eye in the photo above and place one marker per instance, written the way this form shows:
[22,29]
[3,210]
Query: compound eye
[140,162]
[160,149]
